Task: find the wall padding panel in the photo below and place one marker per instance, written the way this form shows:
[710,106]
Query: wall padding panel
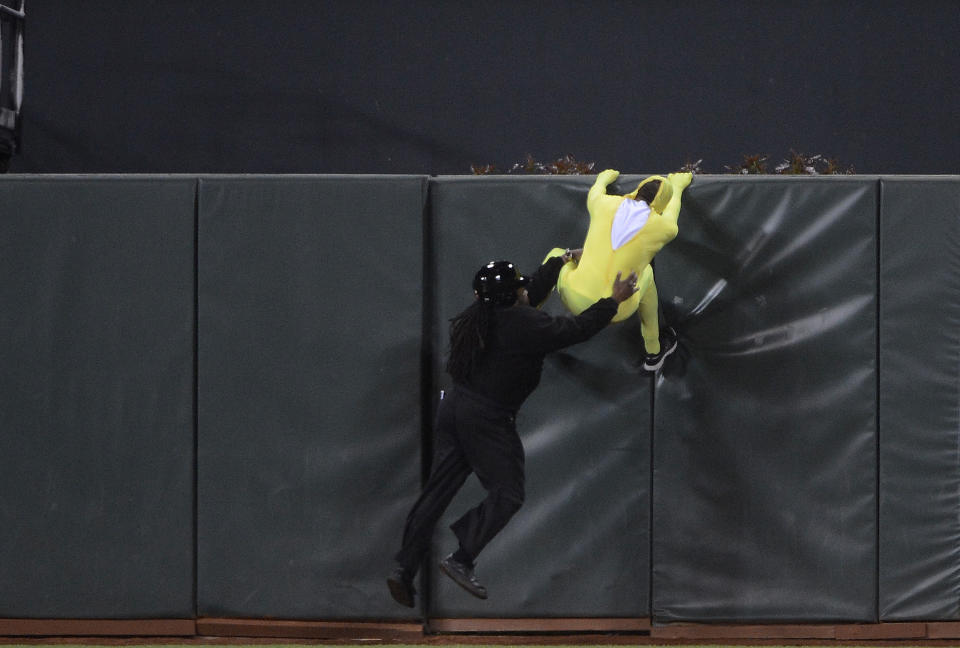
[96,408]
[765,462]
[309,392]
[920,399]
[579,546]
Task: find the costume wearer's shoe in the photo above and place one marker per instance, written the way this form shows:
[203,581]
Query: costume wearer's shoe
[463,575]
[668,344]
[401,587]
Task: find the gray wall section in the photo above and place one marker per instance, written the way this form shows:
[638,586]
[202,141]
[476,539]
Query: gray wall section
[765,445]
[96,405]
[579,546]
[919,420]
[309,392]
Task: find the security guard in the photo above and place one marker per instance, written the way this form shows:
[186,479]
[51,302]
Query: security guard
[497,347]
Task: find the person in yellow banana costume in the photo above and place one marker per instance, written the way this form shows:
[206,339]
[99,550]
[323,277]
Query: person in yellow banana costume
[624,235]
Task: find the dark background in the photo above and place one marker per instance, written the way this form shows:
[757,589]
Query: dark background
[224,86]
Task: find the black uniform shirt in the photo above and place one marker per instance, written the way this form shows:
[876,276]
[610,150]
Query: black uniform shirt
[509,370]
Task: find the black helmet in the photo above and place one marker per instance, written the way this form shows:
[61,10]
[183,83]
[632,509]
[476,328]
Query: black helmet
[497,283]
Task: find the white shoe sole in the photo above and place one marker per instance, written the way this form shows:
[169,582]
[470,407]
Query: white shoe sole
[656,367]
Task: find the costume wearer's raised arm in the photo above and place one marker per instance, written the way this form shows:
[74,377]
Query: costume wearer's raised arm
[679,182]
[598,191]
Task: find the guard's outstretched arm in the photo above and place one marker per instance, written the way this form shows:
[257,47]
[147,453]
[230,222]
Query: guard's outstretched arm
[543,280]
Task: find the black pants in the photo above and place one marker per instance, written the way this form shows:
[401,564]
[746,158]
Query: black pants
[473,435]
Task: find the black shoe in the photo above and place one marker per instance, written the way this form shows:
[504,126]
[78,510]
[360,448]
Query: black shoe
[668,344]
[401,587]
[463,575]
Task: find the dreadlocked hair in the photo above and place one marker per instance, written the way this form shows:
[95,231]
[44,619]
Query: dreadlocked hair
[468,339]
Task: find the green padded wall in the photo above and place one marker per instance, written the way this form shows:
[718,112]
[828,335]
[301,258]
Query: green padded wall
[795,461]
[919,398]
[765,459]
[310,294]
[96,405]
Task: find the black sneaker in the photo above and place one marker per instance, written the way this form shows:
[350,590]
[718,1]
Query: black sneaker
[668,344]
[463,575]
[401,587]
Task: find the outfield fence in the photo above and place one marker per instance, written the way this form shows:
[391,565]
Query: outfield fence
[217,397]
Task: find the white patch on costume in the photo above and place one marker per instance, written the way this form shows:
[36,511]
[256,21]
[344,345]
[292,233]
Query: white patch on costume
[630,218]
